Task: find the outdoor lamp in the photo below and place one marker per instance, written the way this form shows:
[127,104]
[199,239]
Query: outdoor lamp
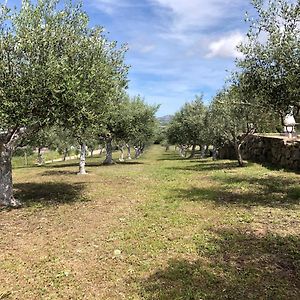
[289,124]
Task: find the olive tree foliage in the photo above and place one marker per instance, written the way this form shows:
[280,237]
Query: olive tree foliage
[54,69]
[102,79]
[230,120]
[176,134]
[186,129]
[144,123]
[100,87]
[270,68]
[62,141]
[131,123]
[44,138]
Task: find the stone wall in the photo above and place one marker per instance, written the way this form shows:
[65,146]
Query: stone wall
[278,151]
[227,152]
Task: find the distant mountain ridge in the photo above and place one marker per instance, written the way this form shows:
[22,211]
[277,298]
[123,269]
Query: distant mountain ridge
[164,120]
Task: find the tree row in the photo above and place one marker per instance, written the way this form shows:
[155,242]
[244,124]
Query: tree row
[262,95]
[60,75]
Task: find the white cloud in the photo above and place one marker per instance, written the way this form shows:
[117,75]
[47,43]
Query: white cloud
[226,47]
[146,48]
[170,41]
[141,45]
[184,14]
[110,6]
[199,13]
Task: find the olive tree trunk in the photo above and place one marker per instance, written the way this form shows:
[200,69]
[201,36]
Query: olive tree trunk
[121,158]
[137,152]
[193,151]
[40,158]
[128,151]
[203,149]
[25,158]
[8,142]
[239,154]
[65,154]
[181,151]
[214,153]
[238,142]
[6,184]
[109,150]
[100,150]
[82,159]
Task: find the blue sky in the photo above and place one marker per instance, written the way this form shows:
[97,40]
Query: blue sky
[177,48]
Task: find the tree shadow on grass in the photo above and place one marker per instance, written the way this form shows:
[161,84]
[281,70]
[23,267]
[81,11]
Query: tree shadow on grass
[74,165]
[92,164]
[247,199]
[171,156]
[231,264]
[287,187]
[233,190]
[49,193]
[272,167]
[128,163]
[206,166]
[59,173]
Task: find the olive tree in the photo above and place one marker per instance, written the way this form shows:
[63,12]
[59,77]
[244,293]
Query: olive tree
[231,119]
[144,124]
[132,122]
[270,67]
[176,134]
[104,78]
[54,69]
[187,127]
[63,141]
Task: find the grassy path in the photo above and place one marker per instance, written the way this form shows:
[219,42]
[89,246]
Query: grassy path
[157,228]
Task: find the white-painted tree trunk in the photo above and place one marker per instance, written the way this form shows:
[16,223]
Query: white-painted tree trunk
[40,159]
[128,151]
[137,152]
[109,150]
[6,185]
[203,149]
[121,158]
[8,142]
[100,150]
[82,159]
[183,150]
[193,151]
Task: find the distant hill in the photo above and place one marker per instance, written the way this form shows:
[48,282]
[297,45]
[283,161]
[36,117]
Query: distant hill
[165,119]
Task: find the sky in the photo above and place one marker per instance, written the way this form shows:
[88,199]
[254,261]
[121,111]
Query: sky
[177,48]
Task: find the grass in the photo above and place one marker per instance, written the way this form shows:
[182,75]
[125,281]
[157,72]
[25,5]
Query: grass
[157,228]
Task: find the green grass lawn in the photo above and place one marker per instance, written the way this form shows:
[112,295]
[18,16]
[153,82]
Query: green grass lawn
[159,227]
